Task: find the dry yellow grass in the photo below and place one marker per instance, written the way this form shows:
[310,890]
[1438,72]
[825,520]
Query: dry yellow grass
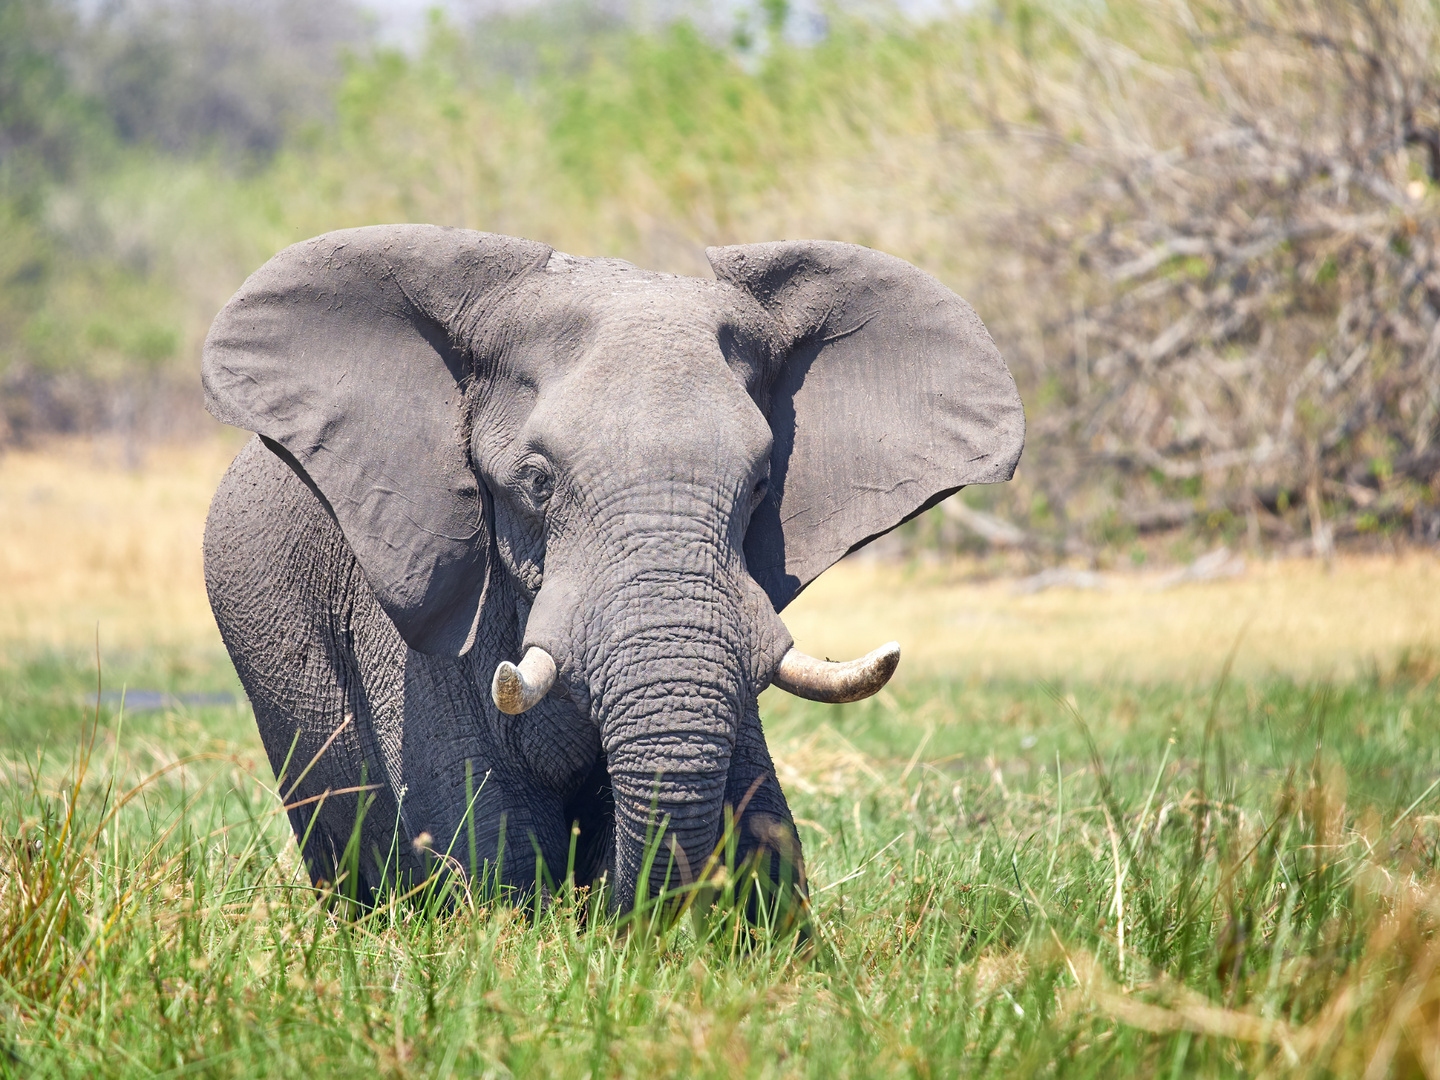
[87,540]
[1292,616]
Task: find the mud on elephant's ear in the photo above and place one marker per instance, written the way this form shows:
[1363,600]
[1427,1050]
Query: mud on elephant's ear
[890,397]
[347,354]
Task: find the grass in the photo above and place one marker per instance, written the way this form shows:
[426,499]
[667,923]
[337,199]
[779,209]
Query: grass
[1297,618]
[1274,846]
[1274,836]
[99,534]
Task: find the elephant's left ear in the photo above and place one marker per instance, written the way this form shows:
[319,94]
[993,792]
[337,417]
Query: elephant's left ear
[891,396]
[348,354]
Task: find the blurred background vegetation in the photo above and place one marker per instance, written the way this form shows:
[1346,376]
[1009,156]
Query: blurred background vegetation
[1205,234]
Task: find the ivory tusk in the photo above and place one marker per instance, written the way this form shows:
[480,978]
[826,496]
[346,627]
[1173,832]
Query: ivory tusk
[823,680]
[517,687]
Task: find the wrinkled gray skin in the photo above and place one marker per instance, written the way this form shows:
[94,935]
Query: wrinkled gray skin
[470,444]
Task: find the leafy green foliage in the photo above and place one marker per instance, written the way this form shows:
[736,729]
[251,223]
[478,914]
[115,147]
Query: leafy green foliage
[44,122]
[557,123]
[1026,154]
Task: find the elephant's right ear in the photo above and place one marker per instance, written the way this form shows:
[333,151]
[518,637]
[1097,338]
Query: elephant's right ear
[890,396]
[347,354]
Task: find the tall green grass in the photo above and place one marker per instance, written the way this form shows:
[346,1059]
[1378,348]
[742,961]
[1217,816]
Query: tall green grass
[1005,878]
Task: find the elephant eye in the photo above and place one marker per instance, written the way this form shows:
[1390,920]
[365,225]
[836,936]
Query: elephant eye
[537,482]
[762,488]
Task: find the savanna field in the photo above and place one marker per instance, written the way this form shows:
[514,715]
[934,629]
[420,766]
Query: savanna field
[1184,830]
[1149,821]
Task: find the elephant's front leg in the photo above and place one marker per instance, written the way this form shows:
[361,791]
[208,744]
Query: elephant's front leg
[493,831]
[469,804]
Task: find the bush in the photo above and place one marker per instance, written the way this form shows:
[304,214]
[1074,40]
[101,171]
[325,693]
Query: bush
[1204,235]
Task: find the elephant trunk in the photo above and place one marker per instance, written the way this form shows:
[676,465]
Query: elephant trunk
[667,819]
[668,693]
[666,641]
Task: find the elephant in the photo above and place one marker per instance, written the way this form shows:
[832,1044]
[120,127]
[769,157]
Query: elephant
[502,568]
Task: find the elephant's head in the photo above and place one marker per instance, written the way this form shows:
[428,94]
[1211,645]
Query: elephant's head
[620,476]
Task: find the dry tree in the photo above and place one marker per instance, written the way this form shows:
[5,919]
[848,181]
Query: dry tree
[1227,246]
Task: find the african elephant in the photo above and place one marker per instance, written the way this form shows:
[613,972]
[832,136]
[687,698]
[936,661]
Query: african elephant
[509,549]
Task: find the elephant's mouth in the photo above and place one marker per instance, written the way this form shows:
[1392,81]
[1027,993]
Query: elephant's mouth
[518,687]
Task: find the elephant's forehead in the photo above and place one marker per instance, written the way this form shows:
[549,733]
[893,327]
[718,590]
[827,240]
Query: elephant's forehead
[643,386]
[636,367]
[606,319]
[607,297]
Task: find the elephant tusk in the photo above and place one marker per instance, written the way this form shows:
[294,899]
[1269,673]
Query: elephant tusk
[825,680]
[517,687]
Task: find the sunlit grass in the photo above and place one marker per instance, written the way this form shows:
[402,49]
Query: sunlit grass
[1295,617]
[963,839]
[1005,878]
[105,534]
